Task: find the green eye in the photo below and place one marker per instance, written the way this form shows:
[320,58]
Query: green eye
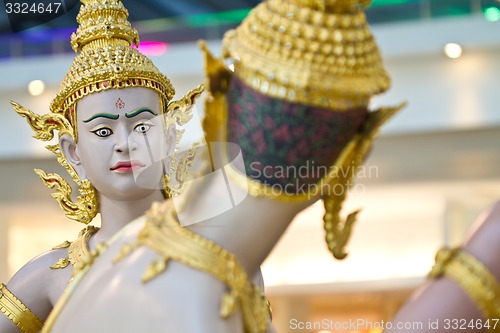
[103,132]
[143,128]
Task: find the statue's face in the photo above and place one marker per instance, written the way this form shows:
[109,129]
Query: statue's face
[120,136]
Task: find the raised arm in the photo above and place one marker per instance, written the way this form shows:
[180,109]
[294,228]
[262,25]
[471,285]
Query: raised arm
[464,293]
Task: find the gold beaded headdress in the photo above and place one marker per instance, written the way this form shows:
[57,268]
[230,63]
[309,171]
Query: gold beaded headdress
[319,53]
[105,60]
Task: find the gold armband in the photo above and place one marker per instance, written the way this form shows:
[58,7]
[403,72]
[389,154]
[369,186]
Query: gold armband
[473,276]
[18,313]
[164,235]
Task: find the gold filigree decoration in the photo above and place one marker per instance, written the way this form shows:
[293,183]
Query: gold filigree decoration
[56,150]
[323,5]
[61,263]
[105,59]
[18,313]
[218,78]
[181,112]
[186,161]
[79,250]
[63,245]
[45,125]
[85,209]
[125,251]
[473,277]
[337,231]
[182,170]
[164,235]
[87,262]
[313,52]
[154,269]
[269,308]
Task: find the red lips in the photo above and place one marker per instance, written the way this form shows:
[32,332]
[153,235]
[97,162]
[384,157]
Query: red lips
[128,166]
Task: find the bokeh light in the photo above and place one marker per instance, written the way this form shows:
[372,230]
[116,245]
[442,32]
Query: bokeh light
[492,14]
[453,50]
[36,87]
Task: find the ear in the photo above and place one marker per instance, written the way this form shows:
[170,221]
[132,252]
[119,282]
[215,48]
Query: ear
[171,140]
[70,152]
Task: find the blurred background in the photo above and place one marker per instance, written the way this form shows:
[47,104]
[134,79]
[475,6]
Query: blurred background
[434,168]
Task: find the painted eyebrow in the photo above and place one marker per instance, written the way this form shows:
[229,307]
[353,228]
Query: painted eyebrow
[139,110]
[102,114]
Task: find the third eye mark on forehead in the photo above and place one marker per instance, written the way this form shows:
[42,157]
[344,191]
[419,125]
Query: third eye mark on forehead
[116,116]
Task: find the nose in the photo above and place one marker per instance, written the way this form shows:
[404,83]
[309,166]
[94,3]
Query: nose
[123,143]
[121,147]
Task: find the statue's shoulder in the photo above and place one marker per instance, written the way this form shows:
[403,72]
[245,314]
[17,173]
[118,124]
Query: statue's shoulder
[38,269]
[38,286]
[51,271]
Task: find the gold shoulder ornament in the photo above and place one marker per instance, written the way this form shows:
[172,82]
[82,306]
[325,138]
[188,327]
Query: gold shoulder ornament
[77,250]
[164,235]
[87,262]
[18,313]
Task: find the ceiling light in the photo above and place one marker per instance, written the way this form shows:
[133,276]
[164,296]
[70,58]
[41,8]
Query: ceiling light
[453,50]
[36,87]
[492,14]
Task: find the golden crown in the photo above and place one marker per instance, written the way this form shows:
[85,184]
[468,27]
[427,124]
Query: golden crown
[105,58]
[316,52]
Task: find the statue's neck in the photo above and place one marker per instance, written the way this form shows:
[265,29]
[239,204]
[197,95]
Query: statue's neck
[116,214]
